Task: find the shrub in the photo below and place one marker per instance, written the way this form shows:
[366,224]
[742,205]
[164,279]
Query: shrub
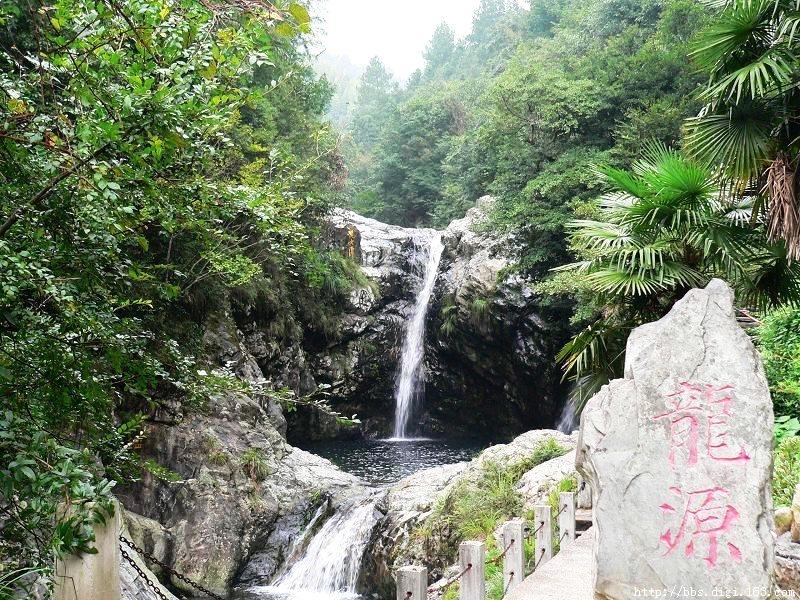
[254,463]
[786,471]
[546,450]
[779,342]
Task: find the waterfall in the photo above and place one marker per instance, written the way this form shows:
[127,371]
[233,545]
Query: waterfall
[332,561]
[409,384]
[569,420]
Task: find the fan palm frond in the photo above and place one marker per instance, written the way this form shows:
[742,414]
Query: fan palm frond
[599,235]
[770,72]
[773,279]
[593,357]
[745,24]
[622,181]
[740,139]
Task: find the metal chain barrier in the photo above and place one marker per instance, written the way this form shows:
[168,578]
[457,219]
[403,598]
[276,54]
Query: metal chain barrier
[168,569]
[533,561]
[508,585]
[153,586]
[497,559]
[440,588]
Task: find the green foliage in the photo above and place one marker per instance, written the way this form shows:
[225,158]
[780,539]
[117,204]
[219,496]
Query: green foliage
[449,316]
[479,311]
[568,484]
[254,463]
[786,427]
[215,452]
[160,472]
[160,155]
[749,124]
[786,471]
[476,507]
[663,229]
[16,581]
[521,109]
[546,450]
[43,481]
[779,342]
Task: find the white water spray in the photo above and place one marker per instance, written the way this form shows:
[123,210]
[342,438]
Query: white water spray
[332,560]
[409,384]
[569,420]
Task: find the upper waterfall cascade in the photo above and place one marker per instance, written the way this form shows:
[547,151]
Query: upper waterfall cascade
[410,380]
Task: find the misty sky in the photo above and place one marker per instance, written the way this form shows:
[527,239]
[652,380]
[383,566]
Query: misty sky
[395,31]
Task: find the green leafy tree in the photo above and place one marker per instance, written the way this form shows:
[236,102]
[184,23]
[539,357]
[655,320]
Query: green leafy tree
[153,155]
[440,52]
[374,103]
[749,124]
[415,142]
[664,228]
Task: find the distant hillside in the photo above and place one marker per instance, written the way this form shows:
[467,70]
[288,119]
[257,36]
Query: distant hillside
[344,75]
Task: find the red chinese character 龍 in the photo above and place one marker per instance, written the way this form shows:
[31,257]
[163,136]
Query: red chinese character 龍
[701,409]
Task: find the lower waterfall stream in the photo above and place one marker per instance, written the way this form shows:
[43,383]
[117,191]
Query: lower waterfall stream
[325,562]
[331,562]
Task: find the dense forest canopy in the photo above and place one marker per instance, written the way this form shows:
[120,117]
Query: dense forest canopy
[547,107]
[156,159]
[162,160]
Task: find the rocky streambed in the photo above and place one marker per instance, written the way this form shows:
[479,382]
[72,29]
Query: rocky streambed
[237,509]
[246,546]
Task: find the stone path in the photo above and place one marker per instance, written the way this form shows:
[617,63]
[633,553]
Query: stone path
[567,575]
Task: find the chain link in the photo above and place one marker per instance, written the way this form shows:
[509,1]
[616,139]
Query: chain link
[156,590]
[169,570]
[508,585]
[500,557]
[449,582]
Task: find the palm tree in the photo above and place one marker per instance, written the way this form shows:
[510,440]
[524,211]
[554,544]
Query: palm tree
[749,126]
[664,227]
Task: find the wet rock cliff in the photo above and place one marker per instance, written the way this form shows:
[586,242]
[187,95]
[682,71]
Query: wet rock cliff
[489,342]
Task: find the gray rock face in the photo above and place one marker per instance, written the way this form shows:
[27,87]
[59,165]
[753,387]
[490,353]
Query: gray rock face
[220,515]
[221,522]
[787,564]
[489,344]
[678,454]
[137,582]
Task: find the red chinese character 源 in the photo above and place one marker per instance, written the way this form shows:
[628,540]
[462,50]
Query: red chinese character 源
[706,518]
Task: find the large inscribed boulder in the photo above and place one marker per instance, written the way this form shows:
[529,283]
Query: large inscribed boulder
[678,454]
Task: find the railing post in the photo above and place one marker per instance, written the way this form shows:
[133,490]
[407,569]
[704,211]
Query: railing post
[566,518]
[93,575]
[412,583]
[544,535]
[514,560]
[584,495]
[472,562]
